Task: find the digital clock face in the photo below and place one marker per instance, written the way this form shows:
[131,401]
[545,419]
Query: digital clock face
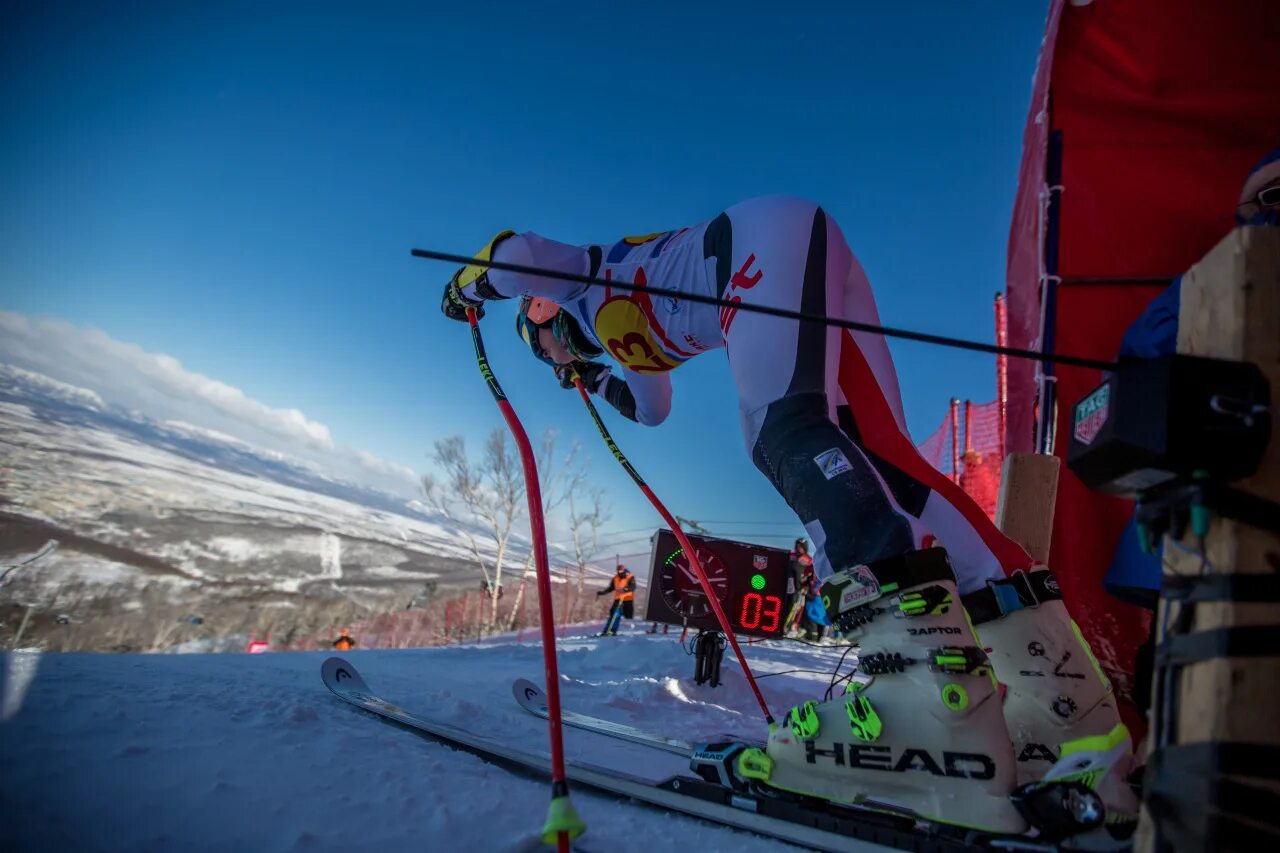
[683,590]
[749,582]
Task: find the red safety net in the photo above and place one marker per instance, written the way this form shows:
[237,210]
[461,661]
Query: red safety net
[980,463]
[1159,108]
[937,447]
[978,472]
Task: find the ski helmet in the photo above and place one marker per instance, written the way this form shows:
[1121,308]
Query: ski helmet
[537,312]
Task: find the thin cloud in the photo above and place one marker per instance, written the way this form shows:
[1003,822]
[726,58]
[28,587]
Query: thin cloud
[158,386]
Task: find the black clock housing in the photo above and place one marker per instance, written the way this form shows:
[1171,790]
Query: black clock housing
[750,582]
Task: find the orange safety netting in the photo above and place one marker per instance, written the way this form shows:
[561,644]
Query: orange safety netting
[937,447]
[980,462]
[978,468]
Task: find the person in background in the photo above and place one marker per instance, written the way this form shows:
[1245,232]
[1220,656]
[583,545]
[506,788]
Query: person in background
[345,641]
[801,583]
[1134,575]
[623,587]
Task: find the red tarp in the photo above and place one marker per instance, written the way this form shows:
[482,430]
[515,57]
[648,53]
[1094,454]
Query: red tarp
[1163,106]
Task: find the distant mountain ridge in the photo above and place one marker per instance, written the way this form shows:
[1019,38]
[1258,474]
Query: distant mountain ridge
[59,402]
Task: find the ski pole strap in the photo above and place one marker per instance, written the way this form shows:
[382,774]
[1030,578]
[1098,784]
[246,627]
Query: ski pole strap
[1002,597]
[1190,798]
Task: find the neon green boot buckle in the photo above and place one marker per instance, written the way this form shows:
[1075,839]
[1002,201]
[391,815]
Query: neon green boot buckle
[755,763]
[804,720]
[864,722]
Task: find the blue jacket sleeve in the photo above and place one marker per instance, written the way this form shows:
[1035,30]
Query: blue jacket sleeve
[1155,332]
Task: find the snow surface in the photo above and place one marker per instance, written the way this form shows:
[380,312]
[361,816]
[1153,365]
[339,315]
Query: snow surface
[251,752]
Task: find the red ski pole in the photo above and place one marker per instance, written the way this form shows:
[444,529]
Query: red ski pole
[684,543]
[563,823]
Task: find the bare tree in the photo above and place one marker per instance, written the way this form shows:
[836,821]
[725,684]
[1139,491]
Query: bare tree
[587,514]
[489,493]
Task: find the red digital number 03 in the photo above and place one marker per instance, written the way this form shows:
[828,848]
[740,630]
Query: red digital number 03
[756,606]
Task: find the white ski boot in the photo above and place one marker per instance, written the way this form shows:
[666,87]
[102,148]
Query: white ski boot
[1059,706]
[925,734]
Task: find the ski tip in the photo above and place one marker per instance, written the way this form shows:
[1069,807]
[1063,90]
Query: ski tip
[527,693]
[340,675]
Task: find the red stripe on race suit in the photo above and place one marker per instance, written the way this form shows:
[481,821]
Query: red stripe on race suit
[880,434]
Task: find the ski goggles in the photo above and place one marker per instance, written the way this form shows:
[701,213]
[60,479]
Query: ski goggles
[1262,209]
[538,313]
[528,332]
[1260,198]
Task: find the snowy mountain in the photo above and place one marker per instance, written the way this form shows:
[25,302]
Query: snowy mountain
[222,752]
[163,515]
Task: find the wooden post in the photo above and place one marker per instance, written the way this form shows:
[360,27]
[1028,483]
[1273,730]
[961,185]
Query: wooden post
[1028,496]
[1230,309]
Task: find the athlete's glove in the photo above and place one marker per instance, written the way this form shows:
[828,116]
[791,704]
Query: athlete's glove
[470,287]
[592,374]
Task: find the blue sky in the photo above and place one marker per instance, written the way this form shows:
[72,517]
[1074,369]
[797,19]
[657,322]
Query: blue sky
[238,186]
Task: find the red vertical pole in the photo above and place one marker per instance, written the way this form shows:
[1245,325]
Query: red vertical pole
[563,823]
[967,443]
[955,440]
[968,428]
[1002,369]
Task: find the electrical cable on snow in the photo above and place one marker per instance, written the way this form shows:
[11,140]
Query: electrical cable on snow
[853,325]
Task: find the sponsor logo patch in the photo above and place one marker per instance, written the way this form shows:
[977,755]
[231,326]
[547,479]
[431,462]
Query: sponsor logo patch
[863,587]
[832,462]
[1091,415]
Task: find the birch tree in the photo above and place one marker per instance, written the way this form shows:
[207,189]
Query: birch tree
[587,514]
[486,498]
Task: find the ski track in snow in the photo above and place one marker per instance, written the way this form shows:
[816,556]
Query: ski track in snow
[218,752]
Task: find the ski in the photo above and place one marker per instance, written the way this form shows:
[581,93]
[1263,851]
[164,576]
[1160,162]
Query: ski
[799,820]
[533,700]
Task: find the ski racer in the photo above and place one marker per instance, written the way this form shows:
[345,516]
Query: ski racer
[623,587]
[821,417]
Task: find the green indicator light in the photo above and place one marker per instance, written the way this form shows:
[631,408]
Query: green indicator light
[757,581]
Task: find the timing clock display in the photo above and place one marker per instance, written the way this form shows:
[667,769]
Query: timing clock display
[749,582]
[681,587]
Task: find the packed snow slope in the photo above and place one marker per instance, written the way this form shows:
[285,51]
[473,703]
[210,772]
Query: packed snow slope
[251,752]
